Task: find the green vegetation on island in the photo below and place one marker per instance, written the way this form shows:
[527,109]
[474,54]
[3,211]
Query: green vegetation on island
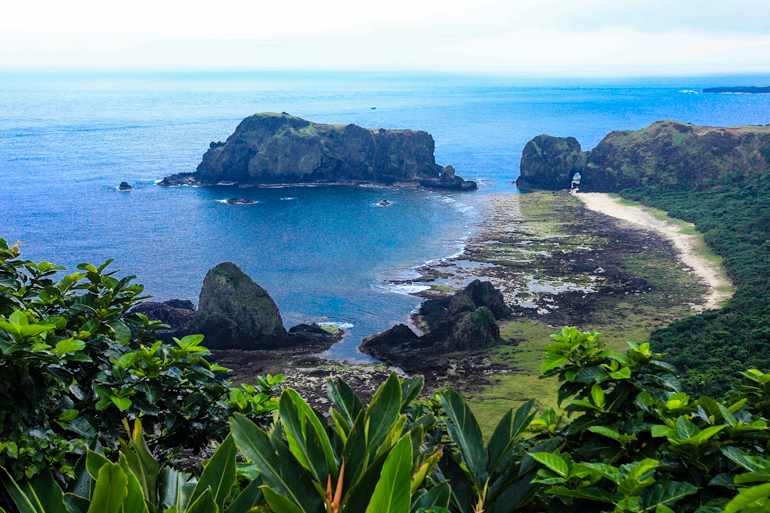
[716,178]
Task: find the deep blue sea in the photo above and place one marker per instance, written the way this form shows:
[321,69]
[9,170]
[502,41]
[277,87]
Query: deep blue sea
[325,254]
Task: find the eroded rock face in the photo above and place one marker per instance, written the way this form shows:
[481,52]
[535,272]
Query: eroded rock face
[236,313]
[666,153]
[467,320]
[476,330]
[550,163]
[270,148]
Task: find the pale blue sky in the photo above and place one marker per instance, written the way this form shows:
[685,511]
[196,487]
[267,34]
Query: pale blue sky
[548,38]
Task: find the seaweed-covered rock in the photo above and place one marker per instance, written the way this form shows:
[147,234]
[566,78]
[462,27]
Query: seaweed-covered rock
[236,313]
[483,293]
[477,330]
[175,313]
[270,148]
[307,334]
[550,163]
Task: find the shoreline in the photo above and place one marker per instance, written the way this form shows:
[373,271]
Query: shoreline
[686,244]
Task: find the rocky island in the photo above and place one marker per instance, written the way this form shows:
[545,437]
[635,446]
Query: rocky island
[666,153]
[273,149]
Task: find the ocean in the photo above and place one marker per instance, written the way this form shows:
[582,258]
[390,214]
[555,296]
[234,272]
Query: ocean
[325,254]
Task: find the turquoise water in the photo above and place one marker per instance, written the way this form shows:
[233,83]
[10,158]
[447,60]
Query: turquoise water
[67,140]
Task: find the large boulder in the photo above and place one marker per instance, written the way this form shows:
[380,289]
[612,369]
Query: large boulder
[236,313]
[550,163]
[270,148]
[476,330]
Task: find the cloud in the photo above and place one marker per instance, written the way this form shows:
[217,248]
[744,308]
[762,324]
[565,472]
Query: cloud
[552,37]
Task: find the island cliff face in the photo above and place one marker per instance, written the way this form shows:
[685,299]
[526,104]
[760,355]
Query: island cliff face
[272,148]
[666,153]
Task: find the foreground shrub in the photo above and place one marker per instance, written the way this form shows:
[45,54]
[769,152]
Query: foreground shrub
[74,364]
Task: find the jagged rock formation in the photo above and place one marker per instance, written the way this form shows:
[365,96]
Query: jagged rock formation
[270,148]
[550,163]
[464,321]
[233,313]
[666,153]
[236,313]
[125,186]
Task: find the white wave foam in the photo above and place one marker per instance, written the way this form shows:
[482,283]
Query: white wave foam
[226,183]
[340,325]
[288,199]
[404,288]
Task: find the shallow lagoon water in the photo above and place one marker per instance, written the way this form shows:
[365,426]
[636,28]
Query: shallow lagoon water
[324,253]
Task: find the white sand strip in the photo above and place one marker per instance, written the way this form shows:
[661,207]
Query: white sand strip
[686,245]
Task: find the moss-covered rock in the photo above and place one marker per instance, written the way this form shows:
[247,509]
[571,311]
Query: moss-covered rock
[270,148]
[236,313]
[477,330]
[550,163]
[666,153]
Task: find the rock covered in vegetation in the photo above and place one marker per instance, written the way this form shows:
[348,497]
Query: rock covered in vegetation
[550,163]
[236,313]
[270,148]
[666,153]
[233,313]
[466,320]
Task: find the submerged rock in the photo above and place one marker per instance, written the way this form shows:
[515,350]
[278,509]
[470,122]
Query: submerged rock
[384,203]
[270,148]
[240,201]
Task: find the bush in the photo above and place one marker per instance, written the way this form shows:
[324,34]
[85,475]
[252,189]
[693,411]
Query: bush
[75,364]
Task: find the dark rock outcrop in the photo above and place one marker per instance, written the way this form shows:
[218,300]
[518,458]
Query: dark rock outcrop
[236,313]
[233,313]
[125,186]
[550,163]
[666,153]
[467,320]
[476,330]
[270,148]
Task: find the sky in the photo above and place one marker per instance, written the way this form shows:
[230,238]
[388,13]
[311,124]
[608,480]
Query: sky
[545,37]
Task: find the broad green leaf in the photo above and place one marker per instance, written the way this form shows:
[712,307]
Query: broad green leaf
[747,497]
[592,493]
[134,501]
[606,471]
[392,493]
[204,504]
[69,346]
[123,403]
[506,434]
[552,361]
[279,468]
[597,396]
[410,389]
[26,502]
[175,488]
[664,495]
[94,463]
[307,438]
[465,431]
[250,497]
[438,496]
[345,399]
[622,373]
[141,462]
[707,433]
[553,462]
[48,492]
[110,491]
[219,475]
[384,411]
[278,503]
[685,428]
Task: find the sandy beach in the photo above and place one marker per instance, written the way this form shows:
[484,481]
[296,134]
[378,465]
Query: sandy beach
[686,245]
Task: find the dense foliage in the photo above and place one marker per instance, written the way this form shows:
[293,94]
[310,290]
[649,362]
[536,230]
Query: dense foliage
[712,348]
[637,444]
[74,364]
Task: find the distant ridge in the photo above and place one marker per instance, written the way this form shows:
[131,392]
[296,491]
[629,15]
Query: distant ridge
[740,89]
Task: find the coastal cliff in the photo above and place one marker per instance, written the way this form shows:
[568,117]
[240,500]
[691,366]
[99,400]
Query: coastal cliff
[666,153]
[270,148]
